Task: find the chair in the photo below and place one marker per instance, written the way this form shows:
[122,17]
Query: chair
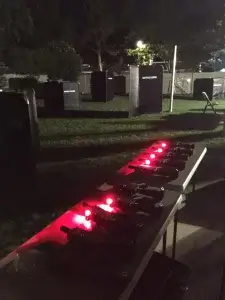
[209,103]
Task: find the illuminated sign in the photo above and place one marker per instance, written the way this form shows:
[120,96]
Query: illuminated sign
[149,77]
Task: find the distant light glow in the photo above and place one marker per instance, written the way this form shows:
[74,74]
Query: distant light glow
[152,156]
[159,150]
[164,145]
[140,44]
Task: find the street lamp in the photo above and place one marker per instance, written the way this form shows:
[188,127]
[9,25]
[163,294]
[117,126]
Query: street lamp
[140,44]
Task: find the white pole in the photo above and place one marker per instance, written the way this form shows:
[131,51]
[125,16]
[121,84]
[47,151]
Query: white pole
[173,78]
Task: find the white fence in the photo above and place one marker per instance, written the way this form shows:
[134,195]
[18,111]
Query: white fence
[184,82]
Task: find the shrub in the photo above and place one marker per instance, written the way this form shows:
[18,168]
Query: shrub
[22,83]
[60,62]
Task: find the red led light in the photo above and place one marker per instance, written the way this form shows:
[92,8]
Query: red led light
[164,145]
[106,207]
[87,224]
[109,201]
[152,156]
[147,162]
[79,219]
[159,150]
[82,221]
[87,213]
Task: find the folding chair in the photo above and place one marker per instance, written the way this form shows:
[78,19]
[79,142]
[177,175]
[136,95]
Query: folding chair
[208,103]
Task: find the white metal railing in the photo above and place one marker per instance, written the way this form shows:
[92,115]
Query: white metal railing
[184,82]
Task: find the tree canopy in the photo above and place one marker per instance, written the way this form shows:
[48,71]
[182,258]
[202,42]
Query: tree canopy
[100,31]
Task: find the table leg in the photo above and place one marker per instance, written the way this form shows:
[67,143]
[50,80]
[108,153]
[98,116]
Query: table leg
[164,243]
[174,235]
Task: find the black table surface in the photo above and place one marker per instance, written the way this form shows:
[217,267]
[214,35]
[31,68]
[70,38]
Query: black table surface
[178,185]
[29,276]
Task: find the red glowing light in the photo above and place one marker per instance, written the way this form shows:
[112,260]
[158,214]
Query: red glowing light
[106,207]
[87,213]
[82,221]
[109,201]
[87,224]
[152,156]
[164,145]
[147,162]
[79,219]
[159,150]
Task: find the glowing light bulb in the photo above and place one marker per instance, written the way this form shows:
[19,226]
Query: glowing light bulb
[164,145]
[152,156]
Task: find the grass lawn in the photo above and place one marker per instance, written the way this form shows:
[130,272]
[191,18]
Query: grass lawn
[120,103]
[78,154]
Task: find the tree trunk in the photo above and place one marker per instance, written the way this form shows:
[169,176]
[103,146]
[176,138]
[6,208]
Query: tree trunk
[99,55]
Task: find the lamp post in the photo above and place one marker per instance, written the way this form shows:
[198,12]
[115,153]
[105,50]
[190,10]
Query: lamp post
[140,44]
[140,47]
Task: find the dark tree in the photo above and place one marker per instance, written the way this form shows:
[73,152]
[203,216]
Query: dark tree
[59,60]
[16,24]
[185,23]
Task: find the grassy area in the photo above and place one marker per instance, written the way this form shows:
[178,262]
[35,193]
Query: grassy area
[78,154]
[122,104]
[187,119]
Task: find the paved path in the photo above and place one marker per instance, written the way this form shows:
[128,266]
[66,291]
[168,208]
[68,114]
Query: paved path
[201,232]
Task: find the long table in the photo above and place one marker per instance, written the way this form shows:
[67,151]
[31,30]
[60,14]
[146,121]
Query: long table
[27,275]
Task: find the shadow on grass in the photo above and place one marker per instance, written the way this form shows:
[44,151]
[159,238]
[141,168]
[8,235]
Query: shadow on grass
[186,121]
[60,154]
[147,122]
[83,114]
[209,110]
[190,121]
[92,135]
[178,97]
[76,153]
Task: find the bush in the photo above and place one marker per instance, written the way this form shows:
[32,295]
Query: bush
[59,61]
[23,83]
[21,61]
